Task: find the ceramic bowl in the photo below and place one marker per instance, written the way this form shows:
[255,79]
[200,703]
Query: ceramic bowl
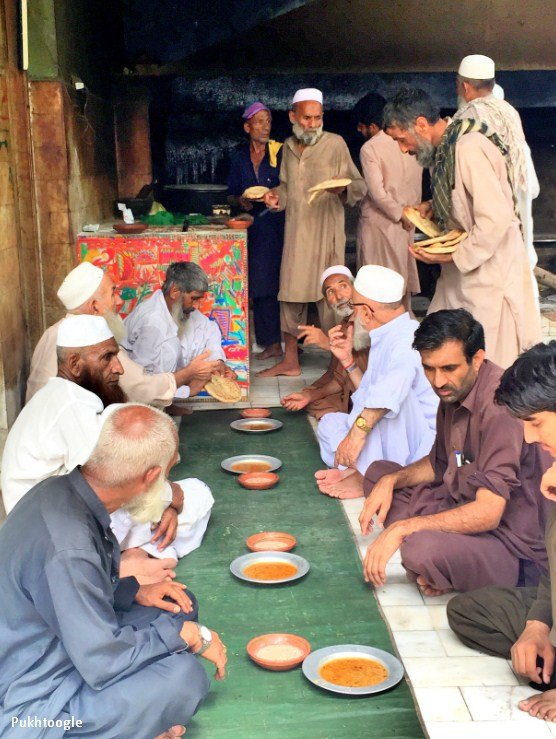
[275,541]
[258,480]
[129,228]
[268,643]
[239,223]
[256,413]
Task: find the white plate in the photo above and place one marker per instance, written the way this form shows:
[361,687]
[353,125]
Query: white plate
[317,659]
[246,425]
[238,565]
[274,462]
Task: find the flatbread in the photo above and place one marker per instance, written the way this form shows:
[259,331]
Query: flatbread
[257,192]
[223,389]
[445,244]
[423,224]
[329,184]
[440,249]
[448,236]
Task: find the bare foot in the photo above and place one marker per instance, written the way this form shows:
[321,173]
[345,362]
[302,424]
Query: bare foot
[274,350]
[147,570]
[428,590]
[349,486]
[541,705]
[173,733]
[332,475]
[282,368]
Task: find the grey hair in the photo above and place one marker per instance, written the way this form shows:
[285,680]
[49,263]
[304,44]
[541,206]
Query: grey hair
[478,84]
[134,438]
[406,106]
[187,276]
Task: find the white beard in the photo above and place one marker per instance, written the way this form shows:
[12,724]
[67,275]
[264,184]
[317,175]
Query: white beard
[462,102]
[341,311]
[149,506]
[361,338]
[308,138]
[181,320]
[116,325]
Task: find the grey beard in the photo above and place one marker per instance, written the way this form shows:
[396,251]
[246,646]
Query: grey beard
[425,153]
[308,138]
[361,338]
[116,325]
[462,102]
[341,311]
[149,506]
[180,319]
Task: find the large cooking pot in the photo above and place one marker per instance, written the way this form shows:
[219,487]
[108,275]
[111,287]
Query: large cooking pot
[194,198]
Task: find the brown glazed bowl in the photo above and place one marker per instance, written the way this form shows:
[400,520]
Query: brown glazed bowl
[256,413]
[271,541]
[257,644]
[258,480]
[129,228]
[239,223]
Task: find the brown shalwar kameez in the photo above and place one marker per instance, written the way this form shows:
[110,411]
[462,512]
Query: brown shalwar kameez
[495,457]
[337,401]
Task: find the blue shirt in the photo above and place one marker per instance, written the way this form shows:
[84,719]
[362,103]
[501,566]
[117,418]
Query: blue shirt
[59,563]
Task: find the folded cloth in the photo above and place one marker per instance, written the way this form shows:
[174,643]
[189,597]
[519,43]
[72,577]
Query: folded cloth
[192,523]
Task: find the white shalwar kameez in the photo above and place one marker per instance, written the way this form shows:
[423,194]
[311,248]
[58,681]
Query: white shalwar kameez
[56,431]
[153,341]
[394,380]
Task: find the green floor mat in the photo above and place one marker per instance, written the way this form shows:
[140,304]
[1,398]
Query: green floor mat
[331,605]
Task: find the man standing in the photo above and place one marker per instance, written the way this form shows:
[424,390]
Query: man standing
[88,290]
[394,180]
[477,100]
[519,622]
[83,652]
[488,273]
[257,162]
[315,237]
[168,332]
[467,514]
[59,427]
[331,392]
[393,408]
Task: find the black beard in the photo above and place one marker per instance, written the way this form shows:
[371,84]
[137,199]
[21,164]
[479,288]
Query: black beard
[108,392]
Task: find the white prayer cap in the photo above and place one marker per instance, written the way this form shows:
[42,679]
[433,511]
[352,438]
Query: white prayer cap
[379,283]
[81,284]
[477,67]
[83,330]
[498,92]
[307,93]
[337,269]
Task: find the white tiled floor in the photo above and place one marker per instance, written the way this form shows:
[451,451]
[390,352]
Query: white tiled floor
[458,692]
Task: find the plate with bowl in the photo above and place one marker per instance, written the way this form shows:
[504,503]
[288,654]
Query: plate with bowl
[278,652]
[256,413]
[251,463]
[269,568]
[353,669]
[275,541]
[256,425]
[258,480]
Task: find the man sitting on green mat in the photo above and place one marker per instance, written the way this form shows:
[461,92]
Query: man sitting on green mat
[518,622]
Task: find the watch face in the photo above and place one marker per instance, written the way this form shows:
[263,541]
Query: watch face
[205,633]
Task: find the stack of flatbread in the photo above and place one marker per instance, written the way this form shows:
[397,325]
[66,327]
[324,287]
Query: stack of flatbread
[439,243]
[257,192]
[223,389]
[316,190]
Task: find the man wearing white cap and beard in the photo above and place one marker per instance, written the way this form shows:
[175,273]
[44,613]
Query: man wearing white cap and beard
[393,412]
[88,290]
[331,392]
[488,273]
[59,427]
[480,99]
[315,236]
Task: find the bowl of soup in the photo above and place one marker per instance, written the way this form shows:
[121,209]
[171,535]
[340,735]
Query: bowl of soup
[278,652]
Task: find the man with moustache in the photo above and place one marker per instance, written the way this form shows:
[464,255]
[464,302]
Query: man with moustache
[393,408]
[468,514]
[58,428]
[88,290]
[315,236]
[167,332]
[331,392]
[488,273]
[84,652]
[518,623]
[257,162]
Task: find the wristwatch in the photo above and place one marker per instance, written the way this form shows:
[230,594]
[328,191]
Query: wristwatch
[206,638]
[362,424]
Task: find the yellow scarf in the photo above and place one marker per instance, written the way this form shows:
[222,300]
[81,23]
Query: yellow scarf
[273,149]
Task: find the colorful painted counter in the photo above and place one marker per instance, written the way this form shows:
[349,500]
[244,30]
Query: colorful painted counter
[138,264]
